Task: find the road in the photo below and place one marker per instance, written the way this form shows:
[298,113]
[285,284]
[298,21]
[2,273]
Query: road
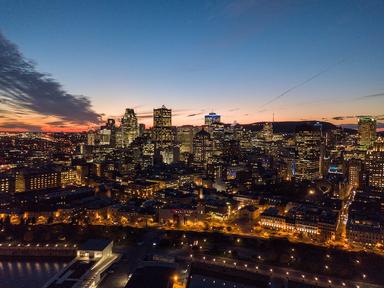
[342,227]
[280,272]
[132,256]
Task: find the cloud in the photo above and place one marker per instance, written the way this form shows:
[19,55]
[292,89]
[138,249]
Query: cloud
[15,125]
[145,116]
[339,118]
[23,88]
[313,77]
[59,123]
[196,113]
[371,96]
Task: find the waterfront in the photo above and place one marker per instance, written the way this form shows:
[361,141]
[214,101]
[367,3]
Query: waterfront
[29,273]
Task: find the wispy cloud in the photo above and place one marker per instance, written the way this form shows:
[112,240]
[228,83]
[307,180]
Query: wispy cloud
[377,95]
[346,117]
[196,113]
[306,81]
[25,90]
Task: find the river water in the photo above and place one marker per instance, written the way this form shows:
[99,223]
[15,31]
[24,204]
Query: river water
[28,273]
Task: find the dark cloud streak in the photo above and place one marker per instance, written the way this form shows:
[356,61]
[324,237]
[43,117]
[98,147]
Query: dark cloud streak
[303,82]
[23,88]
[16,125]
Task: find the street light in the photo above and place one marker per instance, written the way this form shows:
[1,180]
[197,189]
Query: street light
[175,278]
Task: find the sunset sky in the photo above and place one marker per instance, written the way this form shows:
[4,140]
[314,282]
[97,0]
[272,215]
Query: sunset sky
[245,59]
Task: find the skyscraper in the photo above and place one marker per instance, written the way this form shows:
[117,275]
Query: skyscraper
[162,135]
[184,136]
[108,133]
[355,173]
[129,127]
[202,148]
[308,147]
[162,117]
[375,166]
[267,131]
[212,118]
[367,131]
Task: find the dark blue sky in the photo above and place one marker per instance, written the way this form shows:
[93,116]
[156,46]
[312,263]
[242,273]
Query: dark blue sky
[194,56]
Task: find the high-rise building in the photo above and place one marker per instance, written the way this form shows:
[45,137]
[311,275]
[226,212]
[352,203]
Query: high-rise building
[184,137]
[7,183]
[129,127]
[162,133]
[107,133]
[212,118]
[162,117]
[91,138]
[375,166]
[202,148]
[355,173]
[267,131]
[367,131]
[308,147]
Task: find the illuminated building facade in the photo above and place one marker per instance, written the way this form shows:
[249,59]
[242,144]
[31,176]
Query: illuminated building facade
[162,133]
[355,173]
[202,148]
[7,183]
[36,180]
[129,127]
[375,166]
[367,131]
[308,145]
[184,137]
[267,132]
[107,133]
[212,118]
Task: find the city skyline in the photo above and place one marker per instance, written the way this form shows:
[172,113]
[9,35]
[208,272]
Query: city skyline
[245,60]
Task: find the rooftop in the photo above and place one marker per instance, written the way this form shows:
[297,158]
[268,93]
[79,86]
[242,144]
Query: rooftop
[95,244]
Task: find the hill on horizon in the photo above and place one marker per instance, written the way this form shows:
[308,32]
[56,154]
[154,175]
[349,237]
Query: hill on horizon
[290,126]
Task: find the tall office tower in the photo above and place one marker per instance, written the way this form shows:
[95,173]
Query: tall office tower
[129,127]
[184,137]
[355,173]
[107,133]
[375,166]
[217,131]
[212,118]
[162,133]
[367,131]
[202,149]
[141,129]
[308,147]
[267,131]
[91,138]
